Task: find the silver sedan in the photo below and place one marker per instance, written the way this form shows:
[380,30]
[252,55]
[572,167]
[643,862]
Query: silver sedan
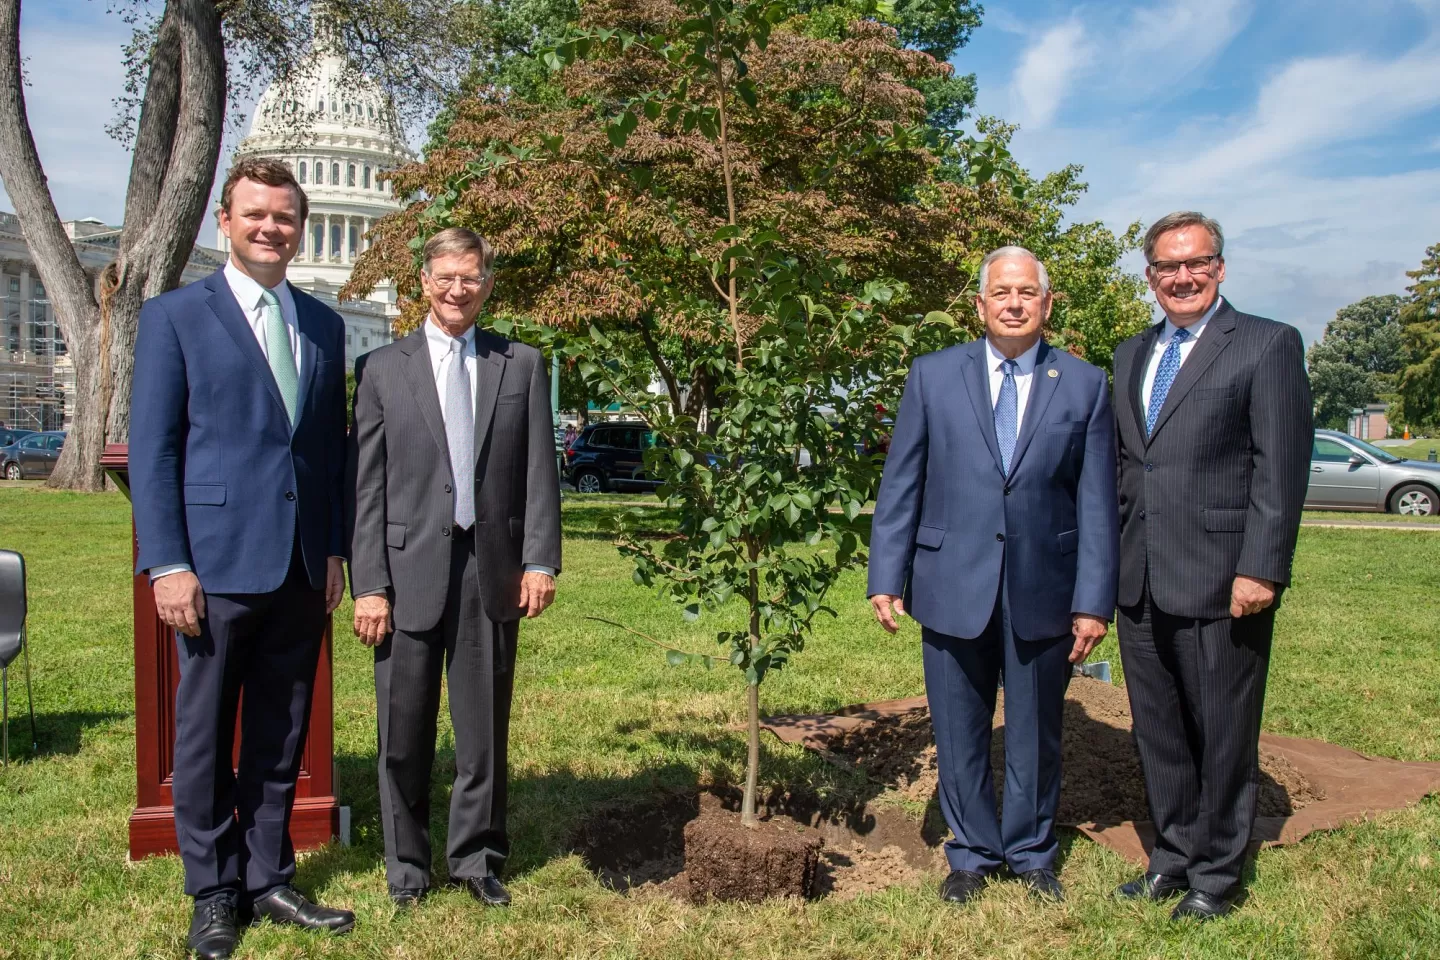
[1350,474]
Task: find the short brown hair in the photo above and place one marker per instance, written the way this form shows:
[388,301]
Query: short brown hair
[458,240]
[272,173]
[1183,218]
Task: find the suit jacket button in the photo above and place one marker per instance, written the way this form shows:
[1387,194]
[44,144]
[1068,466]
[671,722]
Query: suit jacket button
[289,494]
[1142,514]
[1007,491]
[1149,467]
[447,488]
[1000,537]
[445,532]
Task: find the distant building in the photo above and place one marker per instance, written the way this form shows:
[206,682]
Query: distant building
[37,377]
[1369,422]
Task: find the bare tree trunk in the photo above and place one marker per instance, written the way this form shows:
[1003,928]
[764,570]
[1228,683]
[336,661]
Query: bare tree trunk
[70,289]
[176,148]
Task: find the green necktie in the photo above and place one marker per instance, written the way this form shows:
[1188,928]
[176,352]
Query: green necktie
[282,358]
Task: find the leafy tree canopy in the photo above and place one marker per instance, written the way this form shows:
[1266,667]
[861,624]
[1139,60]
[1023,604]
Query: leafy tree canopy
[1419,386]
[1357,359]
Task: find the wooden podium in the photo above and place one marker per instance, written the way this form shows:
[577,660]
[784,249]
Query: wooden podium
[316,819]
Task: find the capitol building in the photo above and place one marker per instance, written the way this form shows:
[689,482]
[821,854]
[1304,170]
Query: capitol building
[337,137]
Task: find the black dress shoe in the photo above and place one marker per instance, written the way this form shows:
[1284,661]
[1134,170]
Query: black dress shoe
[1044,885]
[962,885]
[1202,906]
[213,933]
[1152,886]
[488,890]
[406,896]
[287,905]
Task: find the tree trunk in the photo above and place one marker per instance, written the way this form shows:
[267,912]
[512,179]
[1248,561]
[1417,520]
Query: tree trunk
[176,149]
[76,311]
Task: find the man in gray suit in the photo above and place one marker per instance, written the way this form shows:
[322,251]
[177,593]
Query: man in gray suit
[1214,425]
[456,535]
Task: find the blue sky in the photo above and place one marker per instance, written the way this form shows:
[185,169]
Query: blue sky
[1309,128]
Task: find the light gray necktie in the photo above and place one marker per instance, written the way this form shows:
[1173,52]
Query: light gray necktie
[460,434]
[281,355]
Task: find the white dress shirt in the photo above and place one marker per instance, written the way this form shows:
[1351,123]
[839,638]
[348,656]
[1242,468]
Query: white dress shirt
[1024,373]
[249,294]
[438,342]
[1167,334]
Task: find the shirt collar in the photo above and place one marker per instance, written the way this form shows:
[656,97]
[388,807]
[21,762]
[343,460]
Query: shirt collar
[439,339]
[1025,363]
[248,290]
[1196,328]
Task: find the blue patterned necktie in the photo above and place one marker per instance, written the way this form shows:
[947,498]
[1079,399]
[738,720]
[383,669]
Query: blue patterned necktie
[1164,376]
[1007,415]
[460,434]
[280,354]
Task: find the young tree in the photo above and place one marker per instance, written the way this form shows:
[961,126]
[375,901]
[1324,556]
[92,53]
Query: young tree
[180,61]
[1419,386]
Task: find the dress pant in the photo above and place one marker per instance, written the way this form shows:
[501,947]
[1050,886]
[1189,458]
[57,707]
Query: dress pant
[478,657]
[233,825]
[1197,691]
[961,676]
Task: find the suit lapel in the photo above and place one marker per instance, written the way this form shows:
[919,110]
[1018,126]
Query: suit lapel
[977,380]
[490,357]
[422,384]
[1042,388]
[1139,362]
[309,329]
[227,311]
[1215,339]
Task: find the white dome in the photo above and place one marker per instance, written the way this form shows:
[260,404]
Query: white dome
[323,100]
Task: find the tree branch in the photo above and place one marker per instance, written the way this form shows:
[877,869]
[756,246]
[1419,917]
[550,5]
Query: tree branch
[649,639]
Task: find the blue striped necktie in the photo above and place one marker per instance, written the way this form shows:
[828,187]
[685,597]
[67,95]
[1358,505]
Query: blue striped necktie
[1164,377]
[1007,415]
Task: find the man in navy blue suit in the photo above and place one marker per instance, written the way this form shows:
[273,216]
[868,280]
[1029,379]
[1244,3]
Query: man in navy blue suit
[237,458]
[997,529]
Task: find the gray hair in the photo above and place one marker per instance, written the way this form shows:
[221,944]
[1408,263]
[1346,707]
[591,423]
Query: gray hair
[1012,253]
[453,241]
[1183,218]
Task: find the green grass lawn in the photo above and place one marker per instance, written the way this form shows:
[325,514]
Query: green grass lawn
[1419,450]
[600,720]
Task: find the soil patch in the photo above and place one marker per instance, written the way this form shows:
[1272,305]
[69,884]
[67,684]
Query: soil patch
[726,860]
[642,849]
[1101,780]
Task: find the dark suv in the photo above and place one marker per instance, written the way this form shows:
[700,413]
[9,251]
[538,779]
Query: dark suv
[608,456]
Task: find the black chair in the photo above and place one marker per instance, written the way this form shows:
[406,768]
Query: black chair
[12,641]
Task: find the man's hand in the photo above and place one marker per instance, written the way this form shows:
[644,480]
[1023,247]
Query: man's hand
[180,602]
[537,591]
[1250,595]
[1088,631]
[334,583]
[882,603]
[372,619]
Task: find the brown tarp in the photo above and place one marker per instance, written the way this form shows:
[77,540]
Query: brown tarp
[1353,785]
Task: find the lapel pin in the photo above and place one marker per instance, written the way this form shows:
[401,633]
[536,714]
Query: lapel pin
[1052,373]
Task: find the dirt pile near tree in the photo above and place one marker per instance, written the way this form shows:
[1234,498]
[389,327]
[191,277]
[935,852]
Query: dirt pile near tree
[1101,780]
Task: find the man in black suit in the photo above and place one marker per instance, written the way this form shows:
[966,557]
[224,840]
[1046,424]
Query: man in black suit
[455,506]
[1214,426]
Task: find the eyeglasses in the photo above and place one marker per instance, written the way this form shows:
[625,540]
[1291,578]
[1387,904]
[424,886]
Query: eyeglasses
[1196,265]
[466,283]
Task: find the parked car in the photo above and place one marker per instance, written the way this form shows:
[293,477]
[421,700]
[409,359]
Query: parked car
[10,435]
[611,455]
[32,457]
[1350,474]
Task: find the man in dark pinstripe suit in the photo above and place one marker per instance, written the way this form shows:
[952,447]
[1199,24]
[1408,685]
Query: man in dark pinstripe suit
[1214,426]
[455,510]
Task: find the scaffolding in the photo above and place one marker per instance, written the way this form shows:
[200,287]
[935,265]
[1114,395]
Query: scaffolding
[36,374]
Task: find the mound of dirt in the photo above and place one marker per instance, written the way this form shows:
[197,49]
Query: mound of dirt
[1101,780]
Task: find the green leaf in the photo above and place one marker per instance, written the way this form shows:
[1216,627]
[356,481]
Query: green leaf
[676,659]
[617,134]
[692,612]
[683,458]
[746,90]
[941,317]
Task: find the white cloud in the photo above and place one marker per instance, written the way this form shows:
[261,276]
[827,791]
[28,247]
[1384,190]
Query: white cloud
[72,77]
[1315,102]
[1046,70]
[1162,45]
